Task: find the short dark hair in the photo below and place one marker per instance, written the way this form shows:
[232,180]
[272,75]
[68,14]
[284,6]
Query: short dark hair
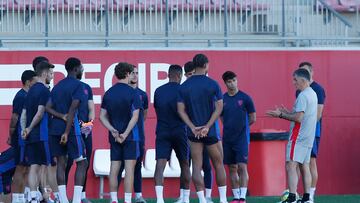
[228,75]
[37,60]
[27,75]
[123,68]
[43,66]
[302,73]
[189,67]
[174,70]
[200,60]
[305,63]
[71,63]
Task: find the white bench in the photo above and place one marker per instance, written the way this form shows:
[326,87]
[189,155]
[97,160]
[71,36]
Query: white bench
[101,166]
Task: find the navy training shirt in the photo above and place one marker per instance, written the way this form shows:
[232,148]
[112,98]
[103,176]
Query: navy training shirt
[199,94]
[38,95]
[236,116]
[320,93]
[17,107]
[165,104]
[144,105]
[84,104]
[119,102]
[61,97]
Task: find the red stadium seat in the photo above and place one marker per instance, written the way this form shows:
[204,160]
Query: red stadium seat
[337,5]
[352,5]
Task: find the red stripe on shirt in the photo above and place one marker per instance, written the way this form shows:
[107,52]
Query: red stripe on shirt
[293,138]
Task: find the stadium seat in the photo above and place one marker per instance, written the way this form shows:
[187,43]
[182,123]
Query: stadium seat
[336,5]
[77,4]
[6,5]
[101,167]
[172,169]
[352,5]
[149,166]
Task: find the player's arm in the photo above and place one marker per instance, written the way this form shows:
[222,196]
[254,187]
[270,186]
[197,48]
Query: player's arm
[294,116]
[70,116]
[104,118]
[320,108]
[23,120]
[216,114]
[91,106]
[131,124]
[50,110]
[146,106]
[13,120]
[37,118]
[252,118]
[184,116]
[145,114]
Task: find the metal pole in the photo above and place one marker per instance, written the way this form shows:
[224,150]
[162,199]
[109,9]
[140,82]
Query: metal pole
[46,24]
[107,23]
[225,24]
[283,22]
[167,23]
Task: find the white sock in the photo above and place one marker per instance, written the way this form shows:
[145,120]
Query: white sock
[83,195]
[243,191]
[127,198]
[201,196]
[208,192]
[77,194]
[62,192]
[21,197]
[159,194]
[114,197]
[27,193]
[236,193]
[39,195]
[222,194]
[33,195]
[138,194]
[181,194]
[15,198]
[312,193]
[186,196]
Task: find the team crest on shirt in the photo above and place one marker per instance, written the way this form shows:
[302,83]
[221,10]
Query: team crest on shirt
[240,102]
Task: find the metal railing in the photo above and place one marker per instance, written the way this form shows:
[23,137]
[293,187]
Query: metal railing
[171,20]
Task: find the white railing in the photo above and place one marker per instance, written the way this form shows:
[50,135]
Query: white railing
[167,19]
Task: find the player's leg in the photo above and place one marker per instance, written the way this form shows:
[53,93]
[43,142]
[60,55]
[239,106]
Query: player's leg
[229,160]
[56,171]
[241,158]
[305,153]
[36,157]
[67,169]
[208,176]
[313,167]
[88,148]
[214,148]
[116,157]
[182,149]
[18,183]
[291,170]
[197,158]
[163,152]
[138,176]
[244,179]
[131,152]
[76,151]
